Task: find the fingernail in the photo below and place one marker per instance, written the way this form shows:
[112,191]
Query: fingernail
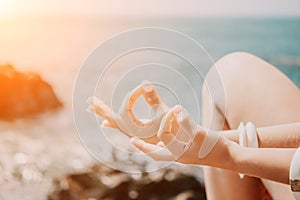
[177,110]
[90,100]
[147,88]
[103,124]
[144,82]
[90,109]
[162,123]
[135,140]
[160,143]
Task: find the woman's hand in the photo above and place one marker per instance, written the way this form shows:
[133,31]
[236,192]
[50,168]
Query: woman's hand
[194,151]
[178,138]
[110,118]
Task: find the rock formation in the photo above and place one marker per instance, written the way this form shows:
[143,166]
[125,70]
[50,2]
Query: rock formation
[101,182]
[23,94]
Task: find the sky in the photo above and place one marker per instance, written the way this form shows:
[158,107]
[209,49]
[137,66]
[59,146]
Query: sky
[185,8]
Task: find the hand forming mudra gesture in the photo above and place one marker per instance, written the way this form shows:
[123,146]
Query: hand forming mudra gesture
[125,120]
[172,135]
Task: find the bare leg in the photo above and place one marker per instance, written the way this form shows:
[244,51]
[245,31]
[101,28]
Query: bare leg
[254,91]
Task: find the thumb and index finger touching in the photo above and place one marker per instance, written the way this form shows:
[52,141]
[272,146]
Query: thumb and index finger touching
[146,89]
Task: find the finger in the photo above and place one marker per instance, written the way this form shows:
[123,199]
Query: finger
[166,128]
[154,151]
[129,102]
[106,124]
[176,147]
[168,124]
[90,109]
[101,109]
[152,97]
[144,146]
[161,144]
[133,97]
[187,123]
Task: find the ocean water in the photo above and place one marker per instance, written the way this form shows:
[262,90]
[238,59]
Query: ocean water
[36,150]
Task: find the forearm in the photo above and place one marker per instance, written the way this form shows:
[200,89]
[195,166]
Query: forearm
[271,164]
[281,136]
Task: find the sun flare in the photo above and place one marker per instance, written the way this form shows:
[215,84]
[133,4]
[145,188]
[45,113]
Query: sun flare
[6,6]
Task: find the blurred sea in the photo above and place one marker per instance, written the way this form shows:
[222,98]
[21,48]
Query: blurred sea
[35,150]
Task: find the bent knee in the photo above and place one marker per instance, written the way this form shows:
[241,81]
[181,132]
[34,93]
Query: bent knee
[236,57]
[241,63]
[230,67]
[227,75]
[244,72]
[245,84]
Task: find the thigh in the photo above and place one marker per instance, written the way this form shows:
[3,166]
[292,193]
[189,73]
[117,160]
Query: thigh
[226,185]
[258,92]
[254,91]
[278,191]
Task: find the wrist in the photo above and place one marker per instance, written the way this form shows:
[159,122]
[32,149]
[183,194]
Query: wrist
[241,158]
[226,154]
[235,157]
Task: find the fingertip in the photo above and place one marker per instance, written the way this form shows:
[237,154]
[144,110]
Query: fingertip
[98,102]
[105,124]
[90,109]
[161,144]
[90,100]
[170,116]
[177,109]
[136,141]
[133,139]
[147,87]
[145,82]
[178,113]
[174,112]
[151,95]
[166,124]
